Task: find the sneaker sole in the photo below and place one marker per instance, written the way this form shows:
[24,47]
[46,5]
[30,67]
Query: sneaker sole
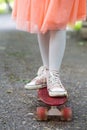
[33,87]
[58,95]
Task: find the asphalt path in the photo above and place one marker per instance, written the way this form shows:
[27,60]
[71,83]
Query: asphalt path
[19,61]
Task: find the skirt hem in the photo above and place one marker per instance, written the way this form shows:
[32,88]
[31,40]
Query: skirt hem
[33,28]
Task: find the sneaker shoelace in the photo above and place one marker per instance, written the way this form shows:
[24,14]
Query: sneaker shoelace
[42,70]
[54,80]
[41,74]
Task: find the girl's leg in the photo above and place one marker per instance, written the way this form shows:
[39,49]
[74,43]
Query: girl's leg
[41,79]
[56,49]
[56,52]
[43,40]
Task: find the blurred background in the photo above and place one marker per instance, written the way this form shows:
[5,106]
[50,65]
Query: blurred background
[6,6]
[5,14]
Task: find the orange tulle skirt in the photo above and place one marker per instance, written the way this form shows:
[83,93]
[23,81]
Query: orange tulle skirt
[42,15]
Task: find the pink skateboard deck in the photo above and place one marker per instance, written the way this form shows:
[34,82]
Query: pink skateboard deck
[52,101]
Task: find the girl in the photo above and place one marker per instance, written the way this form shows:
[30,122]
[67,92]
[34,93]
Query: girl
[48,19]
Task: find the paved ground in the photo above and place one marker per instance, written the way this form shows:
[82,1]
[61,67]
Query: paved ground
[19,61]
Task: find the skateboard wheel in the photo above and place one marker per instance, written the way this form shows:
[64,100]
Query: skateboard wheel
[66,114]
[41,113]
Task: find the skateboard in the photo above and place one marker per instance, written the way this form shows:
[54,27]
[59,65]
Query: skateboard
[42,113]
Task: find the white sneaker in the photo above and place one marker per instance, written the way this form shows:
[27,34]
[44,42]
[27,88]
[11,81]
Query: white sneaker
[40,80]
[54,85]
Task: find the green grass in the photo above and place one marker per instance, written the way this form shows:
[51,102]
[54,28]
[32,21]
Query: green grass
[3,7]
[3,1]
[2,11]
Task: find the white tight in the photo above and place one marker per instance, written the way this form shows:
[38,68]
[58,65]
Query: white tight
[52,46]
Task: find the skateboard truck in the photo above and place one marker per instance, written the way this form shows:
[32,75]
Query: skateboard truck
[64,114]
